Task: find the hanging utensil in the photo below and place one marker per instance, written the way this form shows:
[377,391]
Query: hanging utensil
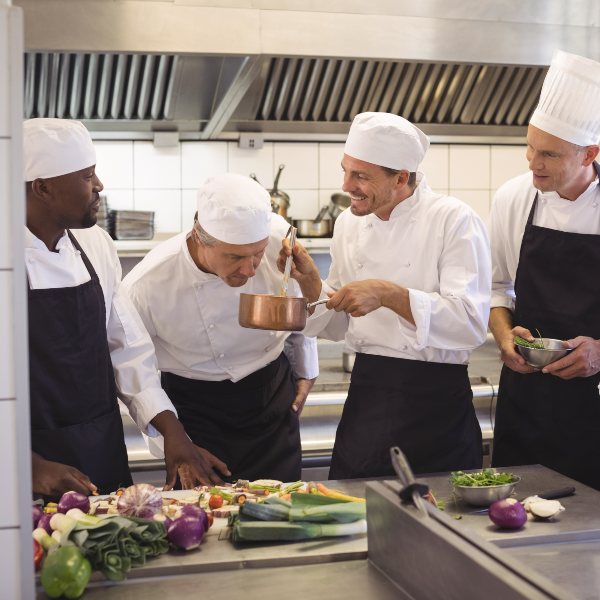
[280,201]
[288,262]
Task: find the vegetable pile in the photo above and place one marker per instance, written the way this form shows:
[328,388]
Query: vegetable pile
[484,478]
[75,542]
[319,513]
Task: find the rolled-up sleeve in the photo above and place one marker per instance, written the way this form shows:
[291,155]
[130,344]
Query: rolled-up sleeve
[301,351]
[456,317]
[134,364]
[503,288]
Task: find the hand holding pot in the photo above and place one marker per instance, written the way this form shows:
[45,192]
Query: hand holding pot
[304,270]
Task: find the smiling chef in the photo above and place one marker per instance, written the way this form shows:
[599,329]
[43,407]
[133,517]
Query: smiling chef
[87,344]
[409,289]
[545,229]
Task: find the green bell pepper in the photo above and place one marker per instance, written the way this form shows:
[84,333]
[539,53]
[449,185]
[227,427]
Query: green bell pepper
[65,572]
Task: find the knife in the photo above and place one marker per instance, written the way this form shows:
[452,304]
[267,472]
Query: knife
[549,495]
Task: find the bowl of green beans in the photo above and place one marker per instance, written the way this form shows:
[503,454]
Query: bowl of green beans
[541,352]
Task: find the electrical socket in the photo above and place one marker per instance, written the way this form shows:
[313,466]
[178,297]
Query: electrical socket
[251,141]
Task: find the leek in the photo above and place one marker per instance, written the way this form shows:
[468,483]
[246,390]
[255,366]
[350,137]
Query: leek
[256,531]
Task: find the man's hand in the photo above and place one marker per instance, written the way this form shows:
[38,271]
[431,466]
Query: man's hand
[303,270]
[359,298]
[54,479]
[200,466]
[303,387]
[582,361]
[510,355]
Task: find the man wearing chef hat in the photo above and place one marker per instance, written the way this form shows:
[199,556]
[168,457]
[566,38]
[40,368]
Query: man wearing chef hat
[86,342]
[545,230]
[408,290]
[239,392]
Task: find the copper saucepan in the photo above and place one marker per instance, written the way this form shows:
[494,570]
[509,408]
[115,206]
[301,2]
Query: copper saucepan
[277,313]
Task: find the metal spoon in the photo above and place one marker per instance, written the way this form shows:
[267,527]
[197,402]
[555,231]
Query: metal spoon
[288,262]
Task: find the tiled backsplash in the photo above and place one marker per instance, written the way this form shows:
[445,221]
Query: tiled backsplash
[140,176]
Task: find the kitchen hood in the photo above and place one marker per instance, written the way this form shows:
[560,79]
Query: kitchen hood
[291,70]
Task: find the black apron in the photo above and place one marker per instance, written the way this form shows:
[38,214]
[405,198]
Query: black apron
[542,418]
[249,424]
[75,418]
[425,408]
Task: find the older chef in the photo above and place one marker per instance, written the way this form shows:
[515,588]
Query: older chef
[239,392]
[545,229]
[409,286]
[86,342]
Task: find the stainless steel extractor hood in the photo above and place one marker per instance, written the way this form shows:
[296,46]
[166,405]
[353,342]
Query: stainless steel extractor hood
[467,70]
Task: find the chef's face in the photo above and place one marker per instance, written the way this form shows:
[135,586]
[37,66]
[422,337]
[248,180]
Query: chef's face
[558,165]
[76,198]
[371,188]
[233,263]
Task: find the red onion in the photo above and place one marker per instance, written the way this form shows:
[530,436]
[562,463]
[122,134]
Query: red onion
[36,513]
[186,532]
[193,510]
[71,500]
[508,513]
[141,500]
[44,522]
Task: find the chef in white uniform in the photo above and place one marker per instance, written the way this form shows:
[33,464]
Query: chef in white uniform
[409,290]
[87,345]
[239,392]
[545,229]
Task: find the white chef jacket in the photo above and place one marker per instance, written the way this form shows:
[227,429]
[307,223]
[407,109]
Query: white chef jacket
[510,209]
[192,316]
[438,248]
[131,350]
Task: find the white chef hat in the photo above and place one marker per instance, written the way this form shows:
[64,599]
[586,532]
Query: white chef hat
[386,140]
[569,106]
[234,209]
[54,147]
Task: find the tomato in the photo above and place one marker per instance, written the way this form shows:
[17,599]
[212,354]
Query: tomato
[215,501]
[38,554]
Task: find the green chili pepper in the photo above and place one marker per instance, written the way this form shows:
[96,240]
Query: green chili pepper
[65,573]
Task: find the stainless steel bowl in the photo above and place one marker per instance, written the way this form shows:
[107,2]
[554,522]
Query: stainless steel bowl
[485,495]
[539,358]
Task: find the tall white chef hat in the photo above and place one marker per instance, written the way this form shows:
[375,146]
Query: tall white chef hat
[234,209]
[54,147]
[569,106]
[386,140]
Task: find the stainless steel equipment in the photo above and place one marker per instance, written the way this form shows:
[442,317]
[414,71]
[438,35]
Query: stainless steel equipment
[280,201]
[318,227]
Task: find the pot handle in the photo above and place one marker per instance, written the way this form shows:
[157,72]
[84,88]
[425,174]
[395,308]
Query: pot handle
[311,304]
[288,263]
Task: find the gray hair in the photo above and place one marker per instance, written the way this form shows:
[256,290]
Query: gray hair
[204,236]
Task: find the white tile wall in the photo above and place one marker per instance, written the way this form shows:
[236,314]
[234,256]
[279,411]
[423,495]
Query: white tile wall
[5,251]
[8,466]
[245,161]
[166,205]
[9,565]
[507,162]
[138,175]
[469,167]
[4,86]
[114,164]
[330,170]
[301,165]
[7,365]
[156,168]
[200,160]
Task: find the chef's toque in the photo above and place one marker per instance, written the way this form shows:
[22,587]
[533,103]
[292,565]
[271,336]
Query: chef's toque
[53,147]
[569,106]
[234,209]
[386,140]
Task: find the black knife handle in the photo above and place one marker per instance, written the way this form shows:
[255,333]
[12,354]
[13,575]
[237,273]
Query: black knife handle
[560,493]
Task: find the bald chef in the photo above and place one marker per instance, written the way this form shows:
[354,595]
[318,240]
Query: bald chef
[545,228]
[239,392]
[86,342]
[409,289]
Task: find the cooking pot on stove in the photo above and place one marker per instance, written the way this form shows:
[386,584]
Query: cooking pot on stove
[319,227]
